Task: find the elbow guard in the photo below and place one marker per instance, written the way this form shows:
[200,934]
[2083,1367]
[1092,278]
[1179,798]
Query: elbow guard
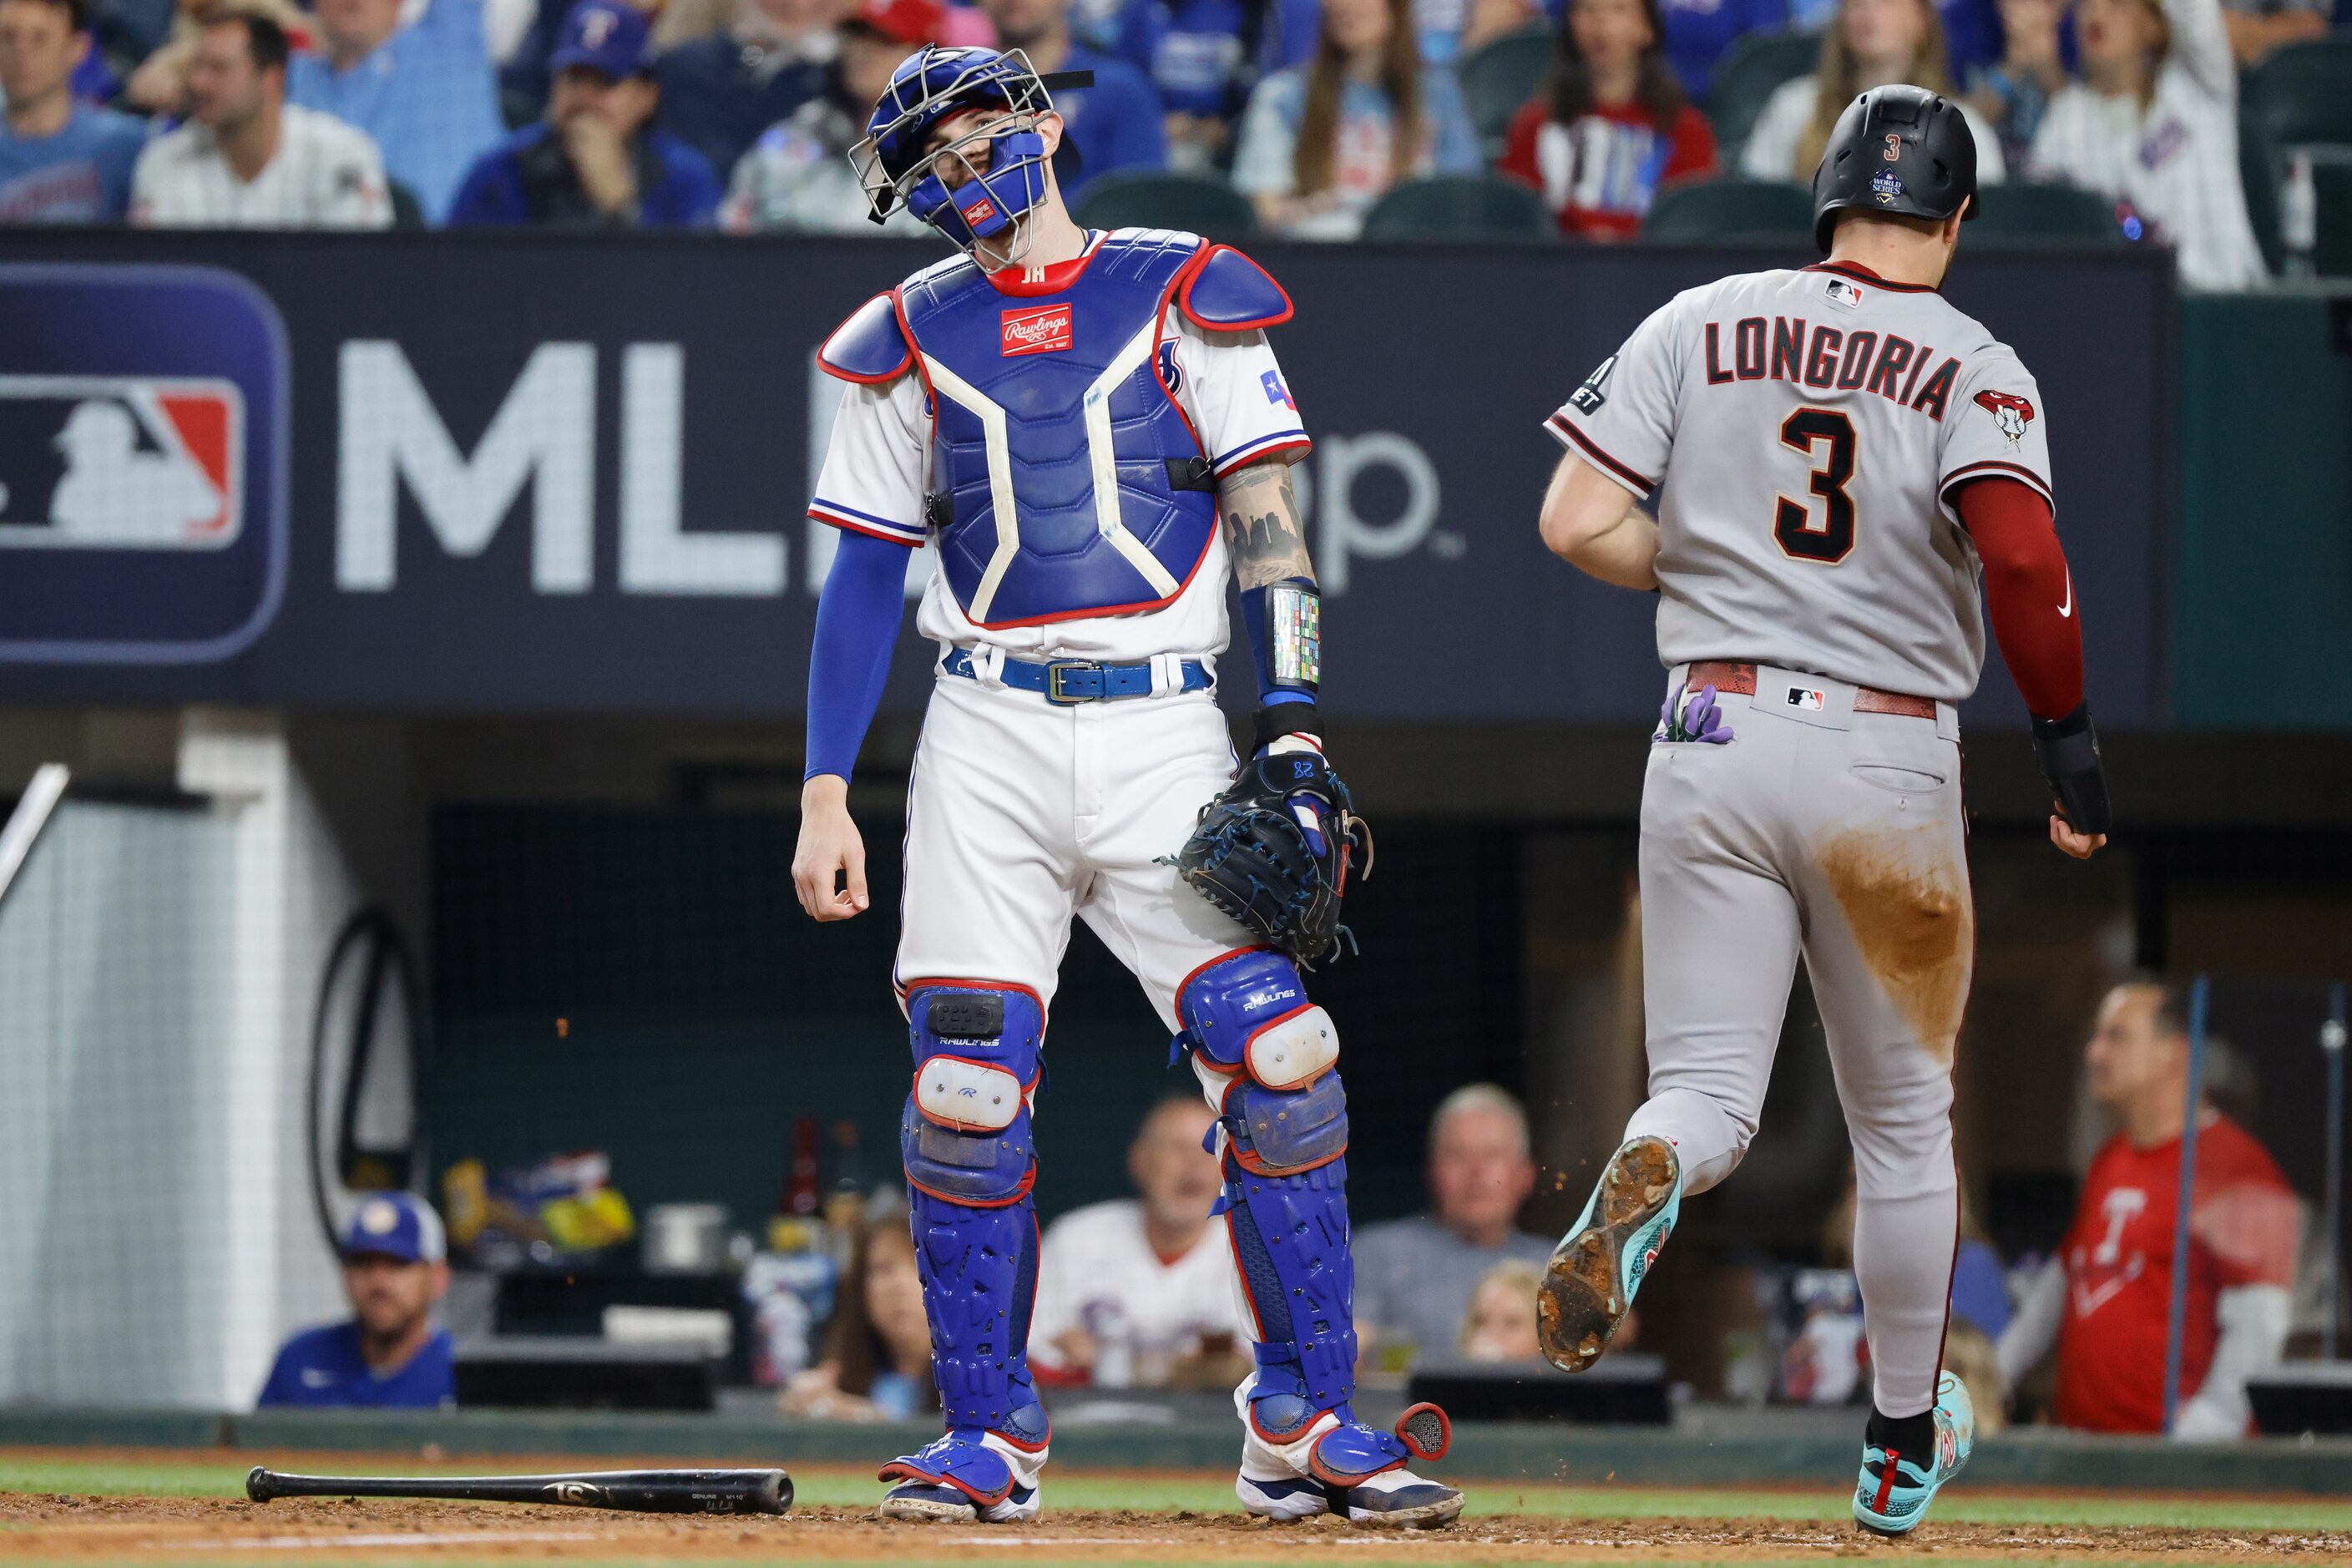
[2068,751]
[1286,631]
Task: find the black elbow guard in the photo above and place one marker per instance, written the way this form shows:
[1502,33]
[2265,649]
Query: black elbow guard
[2068,751]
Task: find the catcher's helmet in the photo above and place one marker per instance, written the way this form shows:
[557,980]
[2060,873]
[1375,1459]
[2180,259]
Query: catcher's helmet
[894,165]
[1896,149]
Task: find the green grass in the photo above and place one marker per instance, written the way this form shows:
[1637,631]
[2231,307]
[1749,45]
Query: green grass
[1207,1494]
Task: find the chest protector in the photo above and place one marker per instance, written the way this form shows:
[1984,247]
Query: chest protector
[1067,480]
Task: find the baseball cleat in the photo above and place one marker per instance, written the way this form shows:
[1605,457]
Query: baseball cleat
[1896,1488]
[958,1479]
[1355,1472]
[1596,1269]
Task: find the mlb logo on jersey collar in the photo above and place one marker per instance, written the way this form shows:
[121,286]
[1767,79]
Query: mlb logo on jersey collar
[1040,329]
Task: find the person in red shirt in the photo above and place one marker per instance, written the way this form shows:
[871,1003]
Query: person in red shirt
[2106,1297]
[1612,124]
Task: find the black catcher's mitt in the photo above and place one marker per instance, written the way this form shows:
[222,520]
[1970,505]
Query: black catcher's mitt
[1256,856]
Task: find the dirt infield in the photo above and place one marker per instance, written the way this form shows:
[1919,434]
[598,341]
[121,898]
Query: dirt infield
[68,1528]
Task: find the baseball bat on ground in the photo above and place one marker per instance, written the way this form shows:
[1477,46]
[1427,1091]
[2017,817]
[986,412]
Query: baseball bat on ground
[643,1491]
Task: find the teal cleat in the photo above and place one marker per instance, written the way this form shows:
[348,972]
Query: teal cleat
[1896,1488]
[1594,1272]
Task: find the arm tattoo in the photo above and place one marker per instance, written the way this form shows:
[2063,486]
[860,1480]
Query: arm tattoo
[1269,537]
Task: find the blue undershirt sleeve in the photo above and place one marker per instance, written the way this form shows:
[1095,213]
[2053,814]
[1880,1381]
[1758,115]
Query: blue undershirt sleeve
[856,627]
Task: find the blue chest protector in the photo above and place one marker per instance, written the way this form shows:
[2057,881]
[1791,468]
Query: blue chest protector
[1067,481]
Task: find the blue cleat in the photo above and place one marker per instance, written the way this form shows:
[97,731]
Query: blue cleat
[1326,1464]
[1896,1488]
[964,1478]
[1593,1273]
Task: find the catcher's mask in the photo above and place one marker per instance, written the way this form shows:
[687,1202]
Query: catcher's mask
[976,187]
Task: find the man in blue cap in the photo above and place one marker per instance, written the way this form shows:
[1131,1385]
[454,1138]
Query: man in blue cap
[594,162]
[389,1352]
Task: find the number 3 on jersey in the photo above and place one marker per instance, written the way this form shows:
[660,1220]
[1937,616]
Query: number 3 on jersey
[1808,430]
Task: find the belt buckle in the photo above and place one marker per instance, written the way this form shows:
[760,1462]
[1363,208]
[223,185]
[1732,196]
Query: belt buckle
[1057,671]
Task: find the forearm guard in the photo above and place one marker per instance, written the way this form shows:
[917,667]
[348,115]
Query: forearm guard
[1285,621]
[2068,751]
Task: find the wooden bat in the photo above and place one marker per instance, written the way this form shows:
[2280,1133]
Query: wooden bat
[643,1491]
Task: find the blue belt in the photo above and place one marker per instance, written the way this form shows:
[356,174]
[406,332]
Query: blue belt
[1067,681]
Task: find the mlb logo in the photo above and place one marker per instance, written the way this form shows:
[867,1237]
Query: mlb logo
[142,465]
[1842,292]
[1044,330]
[1808,697]
[120,463]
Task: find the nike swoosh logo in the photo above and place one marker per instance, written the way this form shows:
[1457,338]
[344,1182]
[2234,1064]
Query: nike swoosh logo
[2066,610]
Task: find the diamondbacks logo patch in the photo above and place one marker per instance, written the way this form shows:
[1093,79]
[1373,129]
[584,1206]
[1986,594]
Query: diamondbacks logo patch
[2011,414]
[1044,330]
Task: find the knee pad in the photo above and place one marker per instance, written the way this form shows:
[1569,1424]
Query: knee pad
[1265,1056]
[964,1137]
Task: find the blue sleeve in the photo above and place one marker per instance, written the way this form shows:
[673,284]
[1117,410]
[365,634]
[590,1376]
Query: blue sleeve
[1139,138]
[1456,148]
[690,196]
[279,1388]
[491,193]
[1292,38]
[856,626]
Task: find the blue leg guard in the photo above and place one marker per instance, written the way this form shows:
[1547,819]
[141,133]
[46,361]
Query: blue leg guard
[1265,1054]
[965,1141]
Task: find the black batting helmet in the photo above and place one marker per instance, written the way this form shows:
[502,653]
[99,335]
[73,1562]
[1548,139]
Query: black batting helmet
[1897,149]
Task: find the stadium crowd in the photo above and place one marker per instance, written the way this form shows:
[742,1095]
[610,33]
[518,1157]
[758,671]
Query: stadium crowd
[737,113]
[1137,1293]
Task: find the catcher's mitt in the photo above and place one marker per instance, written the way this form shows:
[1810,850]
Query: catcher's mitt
[1274,851]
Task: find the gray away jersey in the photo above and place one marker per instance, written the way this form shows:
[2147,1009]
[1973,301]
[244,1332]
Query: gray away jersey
[1803,433]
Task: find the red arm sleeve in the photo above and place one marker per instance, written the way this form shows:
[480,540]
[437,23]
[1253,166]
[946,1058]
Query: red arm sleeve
[2028,591]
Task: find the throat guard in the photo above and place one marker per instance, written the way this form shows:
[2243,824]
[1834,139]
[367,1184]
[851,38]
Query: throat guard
[1071,483]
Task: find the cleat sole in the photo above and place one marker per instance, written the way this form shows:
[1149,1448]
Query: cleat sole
[1580,1303]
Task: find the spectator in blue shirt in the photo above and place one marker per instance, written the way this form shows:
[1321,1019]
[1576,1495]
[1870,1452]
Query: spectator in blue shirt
[595,161]
[1111,126]
[422,90]
[1699,31]
[718,93]
[1204,56]
[61,162]
[389,1352]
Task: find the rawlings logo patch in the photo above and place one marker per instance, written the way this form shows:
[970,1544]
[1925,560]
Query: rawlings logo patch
[1044,330]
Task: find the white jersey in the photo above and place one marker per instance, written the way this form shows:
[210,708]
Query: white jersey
[2174,160]
[877,473]
[1095,1271]
[326,175]
[1804,433]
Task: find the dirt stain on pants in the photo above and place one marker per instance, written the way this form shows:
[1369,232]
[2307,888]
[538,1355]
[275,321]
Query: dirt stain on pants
[1909,909]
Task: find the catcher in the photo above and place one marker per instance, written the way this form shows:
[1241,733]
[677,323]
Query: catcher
[1066,415]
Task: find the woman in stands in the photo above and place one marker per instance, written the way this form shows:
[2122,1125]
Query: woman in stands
[877,1347]
[1873,43]
[1610,125]
[2154,124]
[1322,142]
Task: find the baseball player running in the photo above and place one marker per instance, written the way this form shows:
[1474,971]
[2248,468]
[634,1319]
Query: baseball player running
[1064,415]
[1843,457]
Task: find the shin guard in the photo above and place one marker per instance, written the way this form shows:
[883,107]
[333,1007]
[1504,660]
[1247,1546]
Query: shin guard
[965,1141]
